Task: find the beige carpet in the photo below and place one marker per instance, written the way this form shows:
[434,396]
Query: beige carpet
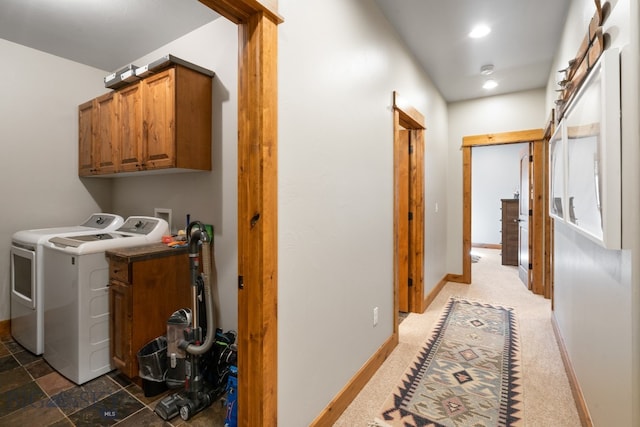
[547,396]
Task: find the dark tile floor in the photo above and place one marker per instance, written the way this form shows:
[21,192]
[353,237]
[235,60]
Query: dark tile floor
[34,394]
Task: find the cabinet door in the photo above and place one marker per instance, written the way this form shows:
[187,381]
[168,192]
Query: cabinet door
[130,108]
[85,138]
[159,120]
[106,138]
[120,323]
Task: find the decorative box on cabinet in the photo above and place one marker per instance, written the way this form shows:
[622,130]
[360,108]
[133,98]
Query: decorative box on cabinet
[162,122]
[146,285]
[510,231]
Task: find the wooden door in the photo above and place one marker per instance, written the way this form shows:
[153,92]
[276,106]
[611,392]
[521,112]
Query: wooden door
[159,120]
[85,138]
[524,261]
[106,138]
[130,108]
[403,240]
[408,170]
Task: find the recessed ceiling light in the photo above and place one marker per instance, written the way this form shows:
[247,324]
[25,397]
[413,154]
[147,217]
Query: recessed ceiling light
[490,84]
[479,31]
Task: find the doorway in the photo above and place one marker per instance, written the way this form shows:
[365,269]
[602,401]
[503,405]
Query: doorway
[537,197]
[408,127]
[496,199]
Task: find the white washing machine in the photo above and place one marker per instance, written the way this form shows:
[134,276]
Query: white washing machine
[28,282]
[76,315]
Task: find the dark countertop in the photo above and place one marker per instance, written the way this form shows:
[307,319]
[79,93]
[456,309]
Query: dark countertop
[144,252]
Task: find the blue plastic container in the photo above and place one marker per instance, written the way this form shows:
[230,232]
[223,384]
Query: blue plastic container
[231,419]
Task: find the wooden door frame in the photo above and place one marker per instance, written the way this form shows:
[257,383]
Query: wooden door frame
[549,130]
[407,117]
[538,233]
[257,22]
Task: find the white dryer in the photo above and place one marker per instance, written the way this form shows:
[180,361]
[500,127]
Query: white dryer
[76,314]
[28,282]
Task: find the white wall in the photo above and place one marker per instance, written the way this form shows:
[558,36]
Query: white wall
[39,133]
[339,62]
[596,290]
[210,197]
[495,175]
[503,113]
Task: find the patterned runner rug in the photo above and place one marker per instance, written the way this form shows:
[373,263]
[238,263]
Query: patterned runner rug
[468,373]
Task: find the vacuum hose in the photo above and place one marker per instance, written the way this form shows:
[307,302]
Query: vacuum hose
[194,237]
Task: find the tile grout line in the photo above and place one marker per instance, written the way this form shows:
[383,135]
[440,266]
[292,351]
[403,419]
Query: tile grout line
[50,397]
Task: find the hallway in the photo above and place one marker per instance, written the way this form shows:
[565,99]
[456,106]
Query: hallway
[547,396]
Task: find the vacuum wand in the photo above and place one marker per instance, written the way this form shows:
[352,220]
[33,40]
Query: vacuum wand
[196,236]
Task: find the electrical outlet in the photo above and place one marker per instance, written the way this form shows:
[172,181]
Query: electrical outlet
[375,316]
[436,209]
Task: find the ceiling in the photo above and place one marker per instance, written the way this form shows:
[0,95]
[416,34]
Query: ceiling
[108,34]
[521,45]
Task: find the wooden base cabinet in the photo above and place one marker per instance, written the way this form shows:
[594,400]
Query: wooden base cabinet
[146,285]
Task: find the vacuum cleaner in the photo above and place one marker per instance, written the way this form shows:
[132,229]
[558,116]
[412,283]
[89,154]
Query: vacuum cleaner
[188,356]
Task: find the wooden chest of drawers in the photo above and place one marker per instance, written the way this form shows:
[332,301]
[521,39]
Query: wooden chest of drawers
[510,231]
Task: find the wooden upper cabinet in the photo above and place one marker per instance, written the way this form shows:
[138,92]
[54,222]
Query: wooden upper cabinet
[98,136]
[159,126]
[85,137]
[161,122]
[131,128]
[177,119]
[106,140]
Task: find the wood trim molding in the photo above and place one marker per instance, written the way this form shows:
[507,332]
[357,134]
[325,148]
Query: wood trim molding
[349,392]
[487,245]
[466,215]
[239,11]
[538,239]
[258,222]
[434,293]
[5,328]
[503,138]
[456,278]
[548,222]
[581,404]
[417,225]
[410,118]
[257,206]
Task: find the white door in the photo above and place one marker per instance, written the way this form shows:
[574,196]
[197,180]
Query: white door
[524,270]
